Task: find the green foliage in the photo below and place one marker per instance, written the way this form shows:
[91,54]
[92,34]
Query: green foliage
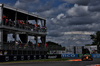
[37,60]
[96,38]
[54,46]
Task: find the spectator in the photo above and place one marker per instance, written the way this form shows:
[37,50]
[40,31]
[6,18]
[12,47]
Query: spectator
[7,22]
[1,53]
[5,52]
[38,45]
[43,28]
[33,26]
[25,46]
[23,25]
[16,45]
[46,45]
[20,24]
[10,22]
[17,25]
[38,27]
[4,19]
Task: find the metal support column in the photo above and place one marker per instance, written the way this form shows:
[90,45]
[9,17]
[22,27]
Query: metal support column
[27,19]
[36,24]
[1,40]
[36,41]
[27,43]
[45,41]
[36,21]
[45,23]
[41,23]
[15,40]
[15,18]
[1,14]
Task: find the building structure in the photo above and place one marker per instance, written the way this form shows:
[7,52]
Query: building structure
[16,22]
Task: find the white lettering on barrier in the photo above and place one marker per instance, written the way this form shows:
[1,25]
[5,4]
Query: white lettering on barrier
[73,55]
[68,55]
[63,55]
[52,56]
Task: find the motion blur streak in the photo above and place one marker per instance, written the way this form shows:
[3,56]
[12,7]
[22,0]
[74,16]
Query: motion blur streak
[94,65]
[75,60]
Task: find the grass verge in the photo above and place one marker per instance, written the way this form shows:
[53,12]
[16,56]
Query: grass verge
[37,60]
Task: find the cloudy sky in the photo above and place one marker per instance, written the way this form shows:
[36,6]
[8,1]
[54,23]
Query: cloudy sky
[69,22]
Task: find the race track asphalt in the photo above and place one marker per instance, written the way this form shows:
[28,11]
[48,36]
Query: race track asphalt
[59,63]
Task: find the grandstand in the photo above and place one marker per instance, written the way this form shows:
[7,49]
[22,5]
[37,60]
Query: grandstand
[22,24]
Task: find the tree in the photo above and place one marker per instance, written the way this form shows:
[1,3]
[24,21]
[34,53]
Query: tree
[96,40]
[54,46]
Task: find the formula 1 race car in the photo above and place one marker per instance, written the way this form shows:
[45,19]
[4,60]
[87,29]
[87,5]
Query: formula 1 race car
[87,58]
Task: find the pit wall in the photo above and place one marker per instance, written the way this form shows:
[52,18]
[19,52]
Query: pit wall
[6,58]
[21,57]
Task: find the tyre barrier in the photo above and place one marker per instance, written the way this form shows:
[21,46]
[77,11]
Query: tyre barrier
[39,56]
[6,58]
[34,56]
[22,57]
[28,57]
[15,58]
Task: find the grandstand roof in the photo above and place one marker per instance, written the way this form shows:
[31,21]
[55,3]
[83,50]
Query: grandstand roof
[31,15]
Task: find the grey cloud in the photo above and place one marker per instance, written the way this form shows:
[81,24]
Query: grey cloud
[88,22]
[80,2]
[94,6]
[78,11]
[55,34]
[30,1]
[77,18]
[33,5]
[53,12]
[67,40]
[83,20]
[89,27]
[80,20]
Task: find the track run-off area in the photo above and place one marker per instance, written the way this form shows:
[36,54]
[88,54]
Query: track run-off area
[72,62]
